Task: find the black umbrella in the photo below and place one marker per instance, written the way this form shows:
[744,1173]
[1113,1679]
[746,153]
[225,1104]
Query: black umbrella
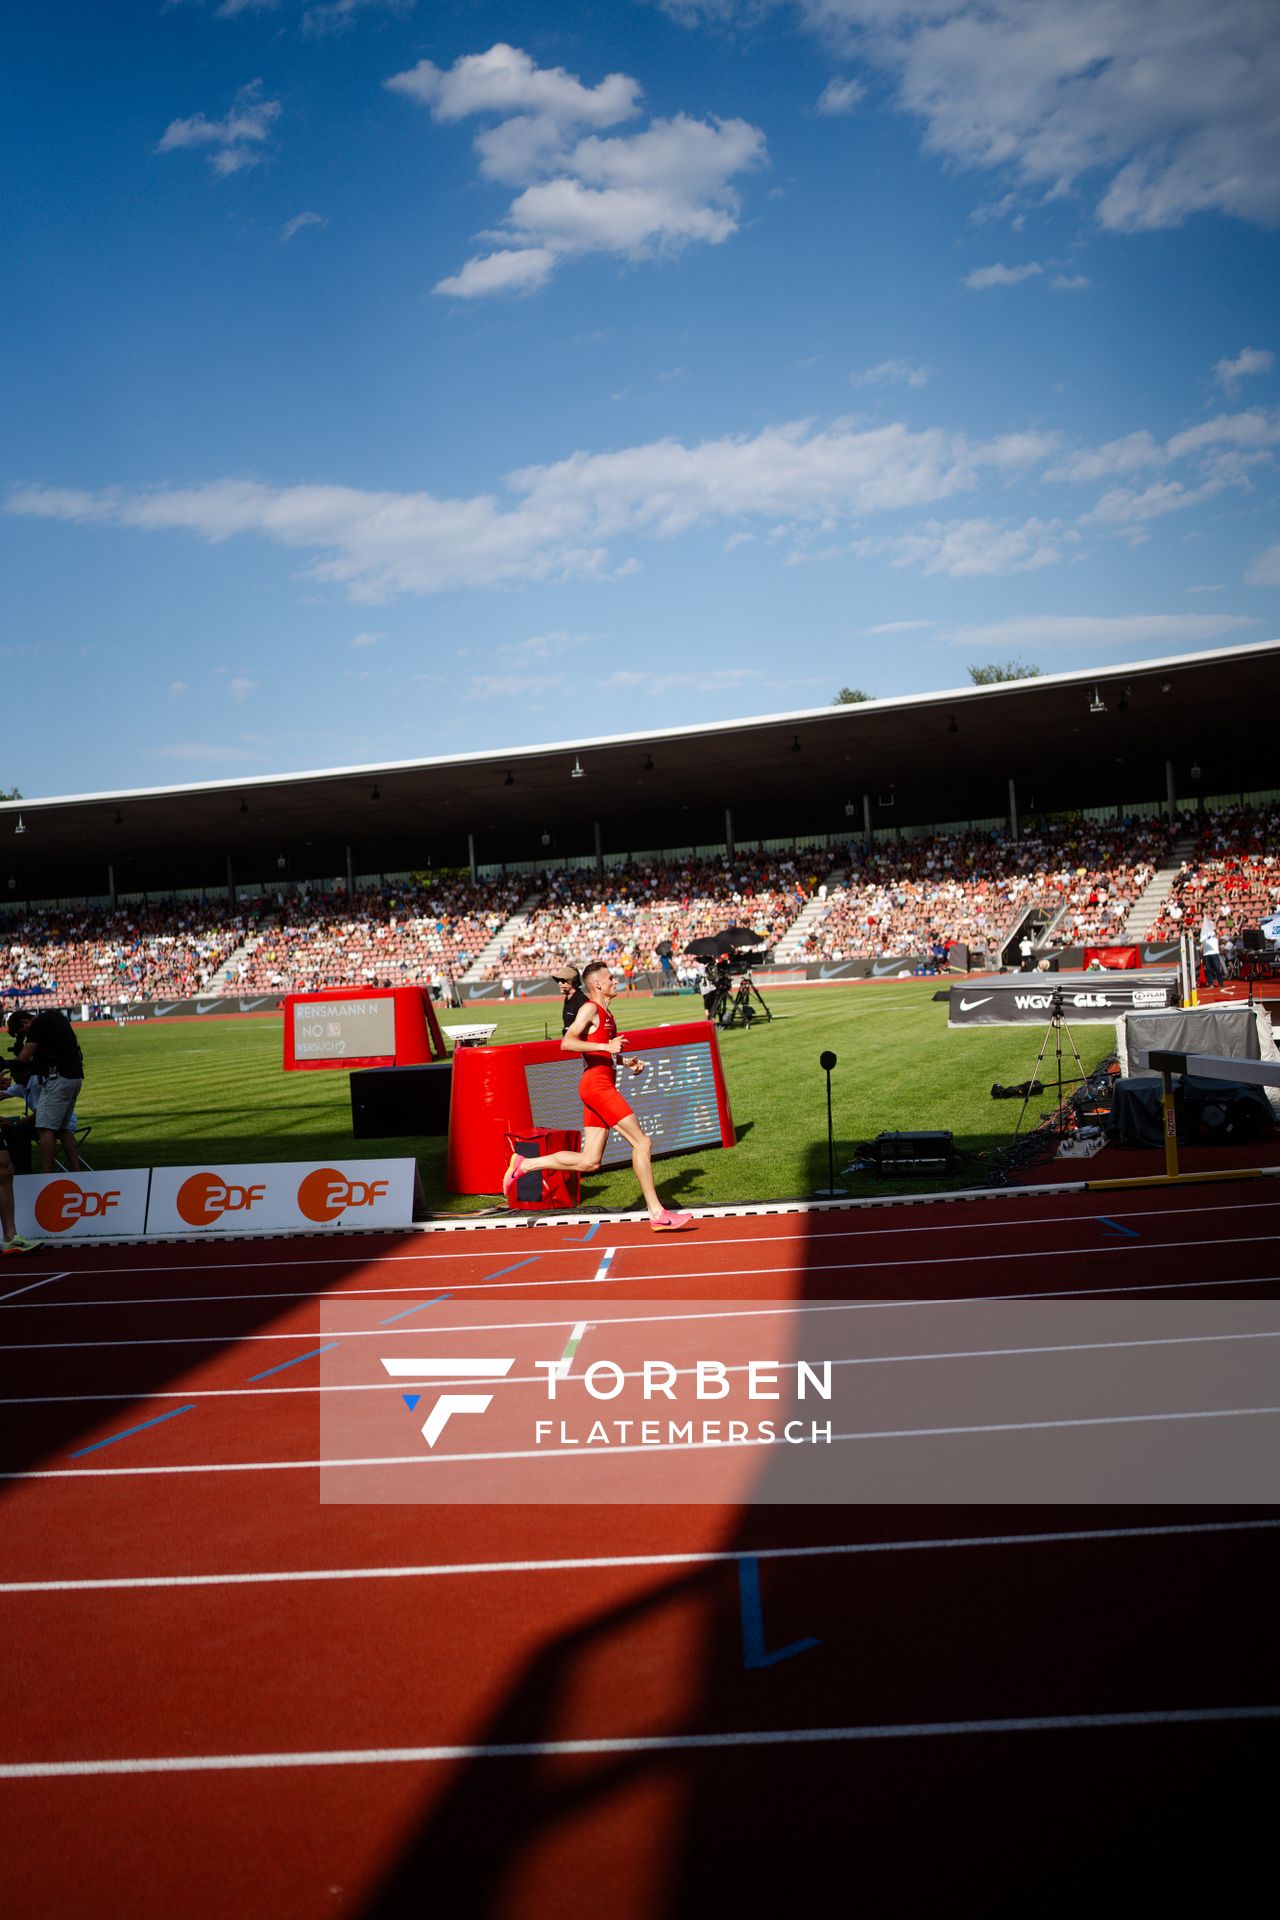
[663,946]
[707,948]
[741,937]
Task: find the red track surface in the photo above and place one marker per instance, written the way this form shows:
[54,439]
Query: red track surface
[927,1620]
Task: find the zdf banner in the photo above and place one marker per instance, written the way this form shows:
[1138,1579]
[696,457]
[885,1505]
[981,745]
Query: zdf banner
[81,1206]
[268,1198]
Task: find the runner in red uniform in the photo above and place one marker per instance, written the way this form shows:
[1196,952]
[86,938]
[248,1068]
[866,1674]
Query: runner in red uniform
[594,1034]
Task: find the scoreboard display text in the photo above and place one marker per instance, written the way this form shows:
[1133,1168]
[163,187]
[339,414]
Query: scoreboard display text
[674,1099]
[347,1029]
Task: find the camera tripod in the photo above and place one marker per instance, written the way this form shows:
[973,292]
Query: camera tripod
[730,1008]
[1056,1028]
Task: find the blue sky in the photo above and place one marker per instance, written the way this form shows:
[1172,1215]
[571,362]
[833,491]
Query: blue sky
[389,379]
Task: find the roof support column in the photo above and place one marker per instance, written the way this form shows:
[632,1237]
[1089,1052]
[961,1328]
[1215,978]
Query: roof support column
[351,875]
[471,856]
[866,820]
[599,852]
[1013,809]
[231,882]
[111,885]
[728,832]
[1170,792]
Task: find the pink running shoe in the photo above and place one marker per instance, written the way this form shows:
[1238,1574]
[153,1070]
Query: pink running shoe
[670,1222]
[515,1167]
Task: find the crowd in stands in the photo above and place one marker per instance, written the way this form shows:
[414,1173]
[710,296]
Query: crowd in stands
[1233,875]
[626,914]
[165,950]
[392,937]
[926,895]
[919,896]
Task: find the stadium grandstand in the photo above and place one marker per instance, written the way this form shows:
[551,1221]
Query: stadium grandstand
[1074,808]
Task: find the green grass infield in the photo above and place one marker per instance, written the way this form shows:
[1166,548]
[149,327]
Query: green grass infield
[215,1091]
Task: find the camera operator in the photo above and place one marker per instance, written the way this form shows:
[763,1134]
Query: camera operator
[47,1042]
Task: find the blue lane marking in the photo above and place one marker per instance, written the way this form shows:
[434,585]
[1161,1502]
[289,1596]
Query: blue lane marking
[590,1233]
[519,1263]
[129,1431]
[1117,1228]
[411,1400]
[753,1653]
[602,1271]
[296,1362]
[406,1311]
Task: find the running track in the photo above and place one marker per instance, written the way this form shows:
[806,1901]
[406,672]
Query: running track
[224,1699]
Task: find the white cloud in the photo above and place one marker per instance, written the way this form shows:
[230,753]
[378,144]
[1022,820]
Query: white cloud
[1072,282]
[1165,107]
[230,9]
[1265,571]
[335,16]
[177,688]
[544,646]
[890,373]
[898,626]
[367,639]
[841,96]
[235,141]
[511,686]
[1129,454]
[1257,429]
[240,686]
[1122,507]
[556,521]
[201,751]
[299,221]
[1131,630]
[637,194]
[967,549]
[1229,373]
[1000,276]
[714,680]
[523,270]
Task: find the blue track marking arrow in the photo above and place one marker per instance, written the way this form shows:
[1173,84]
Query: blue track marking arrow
[1117,1228]
[411,1400]
[753,1653]
[406,1311]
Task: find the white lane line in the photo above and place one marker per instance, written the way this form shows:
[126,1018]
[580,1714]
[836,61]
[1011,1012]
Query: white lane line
[612,1452]
[47,1281]
[603,1278]
[647,1743]
[404,1368]
[950,1225]
[791,1306]
[613,1562]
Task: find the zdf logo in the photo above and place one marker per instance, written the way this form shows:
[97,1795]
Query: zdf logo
[205,1197]
[63,1204]
[326,1193]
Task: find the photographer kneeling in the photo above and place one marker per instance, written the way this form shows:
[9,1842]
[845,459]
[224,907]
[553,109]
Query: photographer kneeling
[48,1043]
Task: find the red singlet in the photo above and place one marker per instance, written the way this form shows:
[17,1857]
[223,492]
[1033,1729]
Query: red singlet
[602,1104]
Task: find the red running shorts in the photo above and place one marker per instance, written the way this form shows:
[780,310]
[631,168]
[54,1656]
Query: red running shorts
[602,1104]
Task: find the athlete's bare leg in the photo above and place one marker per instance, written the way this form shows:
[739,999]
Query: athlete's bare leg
[642,1161]
[593,1145]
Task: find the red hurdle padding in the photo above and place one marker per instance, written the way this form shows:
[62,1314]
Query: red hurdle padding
[546,1189]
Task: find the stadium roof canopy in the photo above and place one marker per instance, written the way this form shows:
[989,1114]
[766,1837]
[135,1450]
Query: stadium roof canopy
[1067,741]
